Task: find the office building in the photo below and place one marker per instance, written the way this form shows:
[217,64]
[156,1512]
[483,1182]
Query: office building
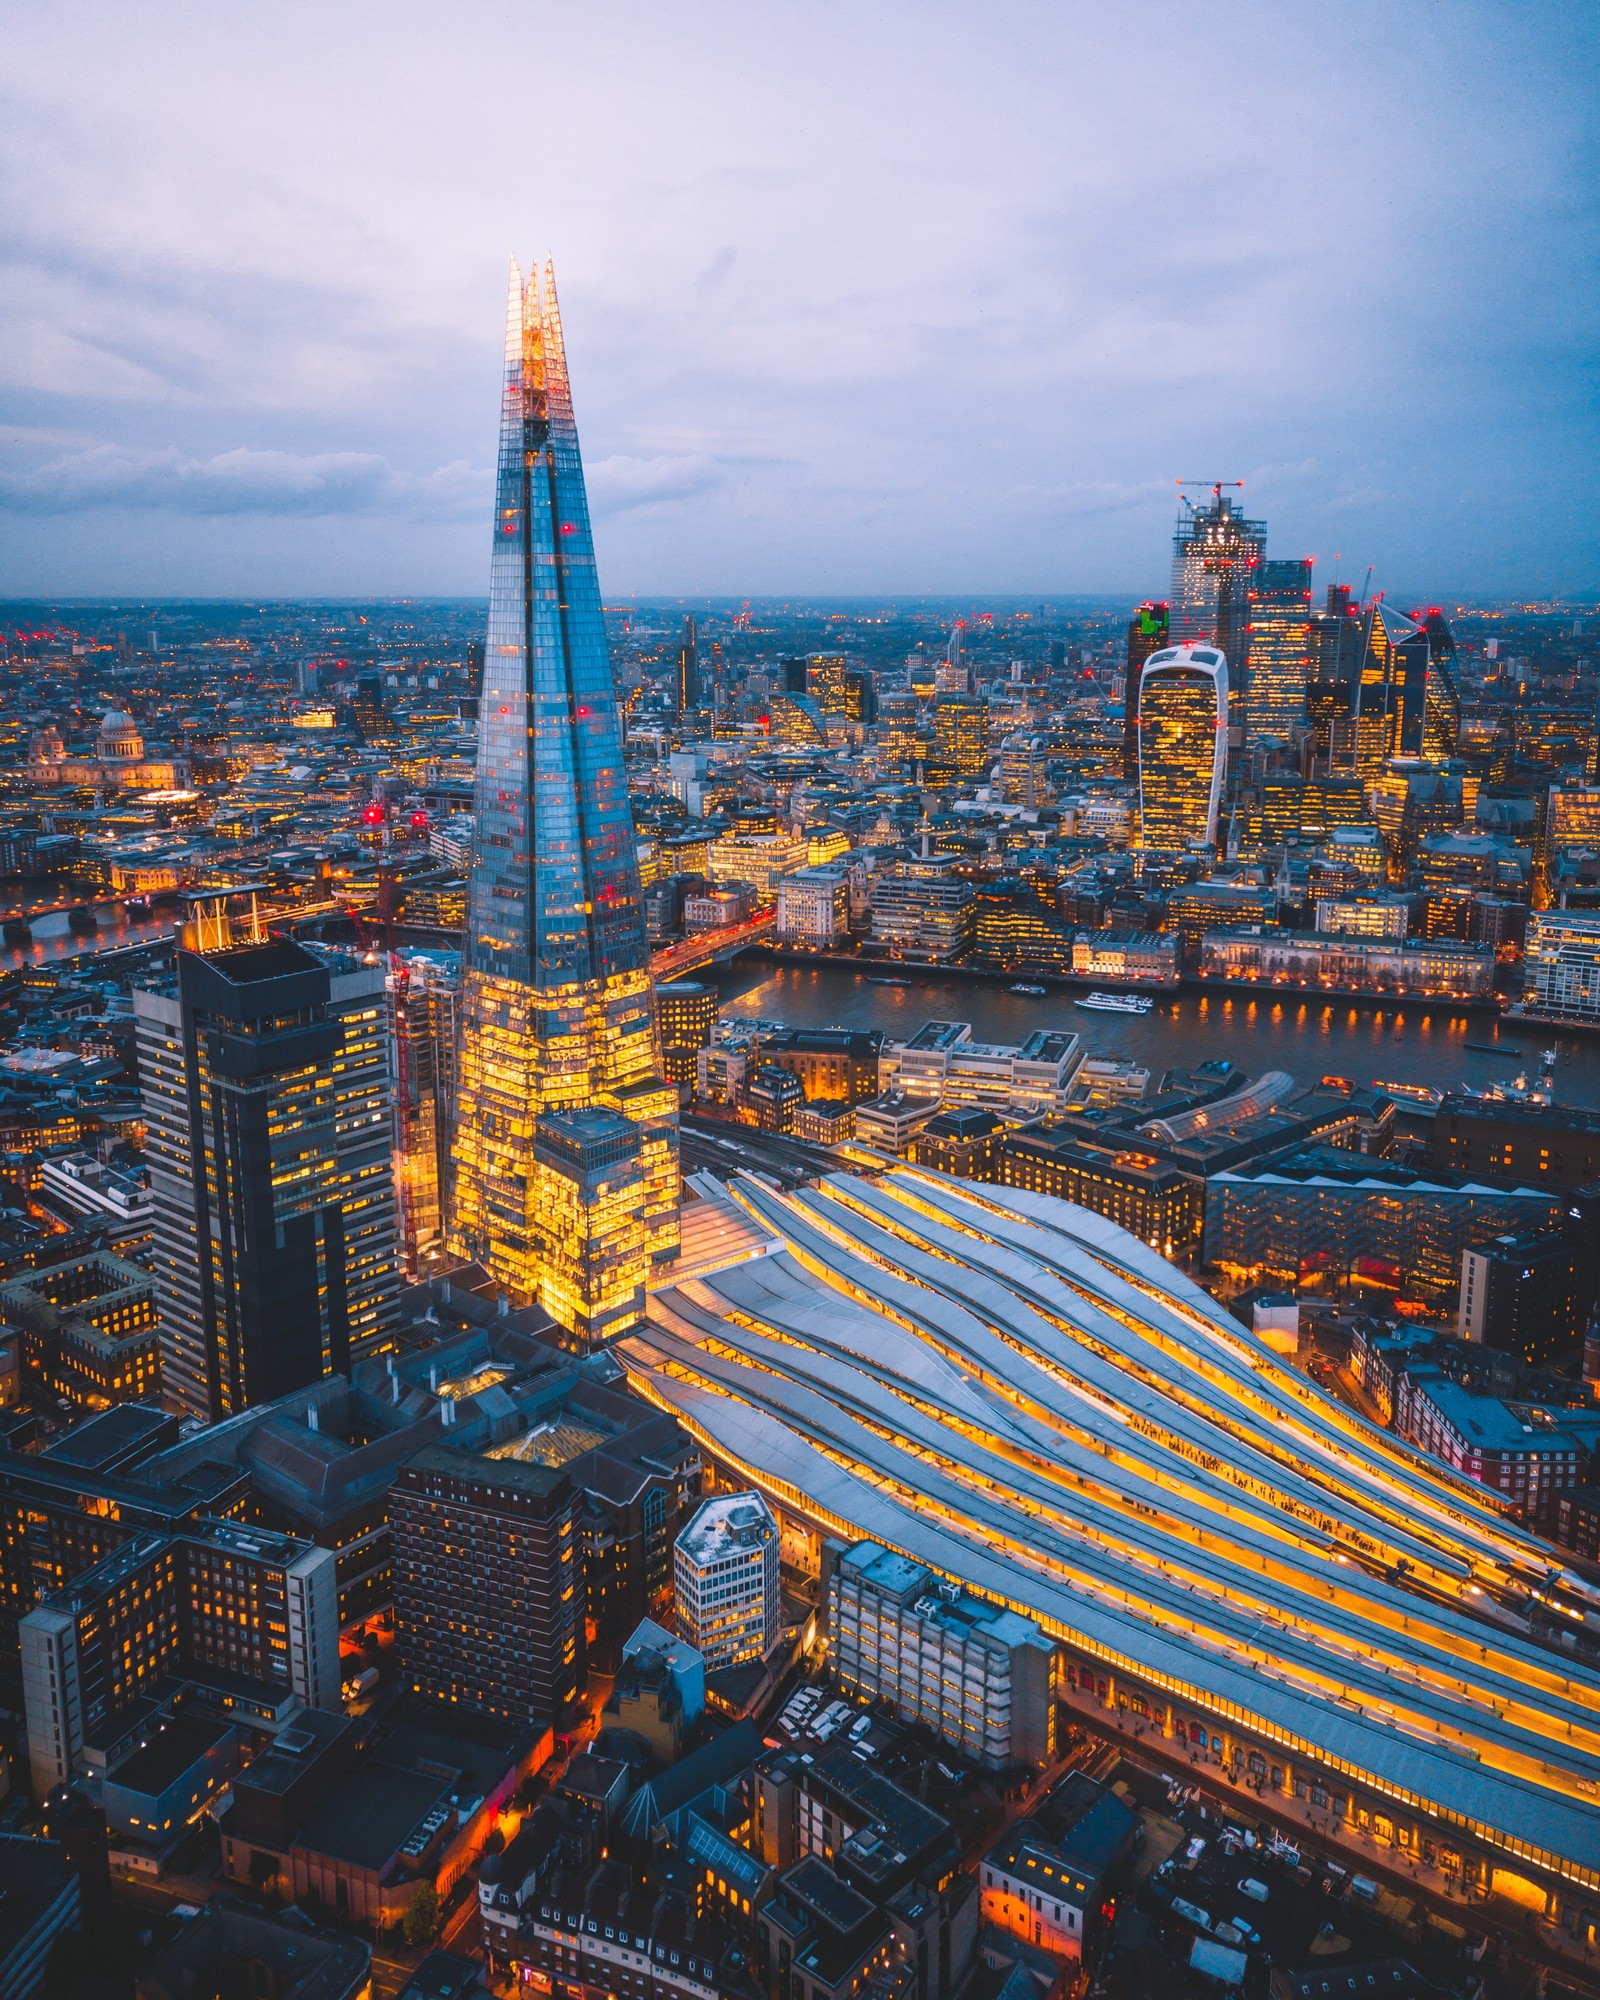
[1561,973]
[1147,634]
[1558,1144]
[423,995]
[725,1578]
[833,1065]
[1439,968]
[556,1003]
[944,1065]
[1160,1203]
[268,1099]
[1183,746]
[1042,1450]
[922,910]
[488,1583]
[686,1012]
[960,736]
[689,696]
[1322,1212]
[827,682]
[813,907]
[591,1190]
[1280,650]
[1390,691]
[1530,1294]
[90,1329]
[243,1613]
[980,1677]
[1215,553]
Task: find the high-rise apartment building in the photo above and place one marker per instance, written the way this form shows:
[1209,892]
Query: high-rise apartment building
[1183,746]
[1280,650]
[556,1004]
[725,1577]
[1215,552]
[1147,634]
[688,668]
[267,1094]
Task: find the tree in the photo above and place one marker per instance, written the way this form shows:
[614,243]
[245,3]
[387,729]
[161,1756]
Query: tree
[422,1913]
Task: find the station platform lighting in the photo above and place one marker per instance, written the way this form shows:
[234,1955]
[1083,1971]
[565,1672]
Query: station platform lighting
[1034,1403]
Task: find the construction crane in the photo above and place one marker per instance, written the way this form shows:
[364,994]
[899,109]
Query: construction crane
[1213,486]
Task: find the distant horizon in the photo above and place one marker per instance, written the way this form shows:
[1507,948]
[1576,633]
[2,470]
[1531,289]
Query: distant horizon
[1575,605]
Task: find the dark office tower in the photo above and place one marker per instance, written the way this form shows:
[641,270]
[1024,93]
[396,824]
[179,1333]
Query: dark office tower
[266,1090]
[368,706]
[860,697]
[488,1584]
[556,1009]
[1441,708]
[688,669]
[1391,690]
[1183,746]
[1336,637]
[1214,554]
[1058,656]
[1280,650]
[474,667]
[796,678]
[1147,634]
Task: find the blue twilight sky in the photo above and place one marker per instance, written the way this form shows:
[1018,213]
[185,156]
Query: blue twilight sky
[864,297]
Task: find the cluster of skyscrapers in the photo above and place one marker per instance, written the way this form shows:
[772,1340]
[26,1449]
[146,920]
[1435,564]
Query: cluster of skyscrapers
[1239,668]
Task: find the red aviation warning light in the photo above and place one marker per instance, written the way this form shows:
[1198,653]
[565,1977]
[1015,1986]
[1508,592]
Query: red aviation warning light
[373,816]
[419,819]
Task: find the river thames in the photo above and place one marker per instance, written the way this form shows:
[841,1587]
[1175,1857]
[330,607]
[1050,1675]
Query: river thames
[1365,1042]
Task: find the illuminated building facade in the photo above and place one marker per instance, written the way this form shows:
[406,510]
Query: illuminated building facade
[1280,650]
[424,995]
[1441,707]
[1391,691]
[1214,556]
[1563,966]
[556,1001]
[1183,746]
[961,735]
[1036,1406]
[267,1093]
[686,1012]
[725,1580]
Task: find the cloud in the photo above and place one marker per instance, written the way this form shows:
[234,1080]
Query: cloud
[620,484]
[241,482]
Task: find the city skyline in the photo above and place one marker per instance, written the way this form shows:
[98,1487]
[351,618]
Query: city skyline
[280,397]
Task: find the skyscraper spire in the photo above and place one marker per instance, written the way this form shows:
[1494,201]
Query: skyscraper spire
[557,1014]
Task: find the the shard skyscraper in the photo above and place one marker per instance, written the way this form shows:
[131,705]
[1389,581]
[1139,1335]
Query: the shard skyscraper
[565,1183]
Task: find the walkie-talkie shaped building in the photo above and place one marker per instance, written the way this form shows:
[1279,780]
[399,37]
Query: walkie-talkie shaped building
[566,1153]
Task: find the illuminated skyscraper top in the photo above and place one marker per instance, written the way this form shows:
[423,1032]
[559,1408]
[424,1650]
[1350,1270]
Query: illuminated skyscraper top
[555,881]
[1214,554]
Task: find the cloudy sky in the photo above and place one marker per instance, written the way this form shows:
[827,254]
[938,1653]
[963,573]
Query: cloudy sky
[860,298]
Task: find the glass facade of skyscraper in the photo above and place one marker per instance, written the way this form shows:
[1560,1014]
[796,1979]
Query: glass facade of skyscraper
[1183,746]
[1280,650]
[556,1003]
[1391,690]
